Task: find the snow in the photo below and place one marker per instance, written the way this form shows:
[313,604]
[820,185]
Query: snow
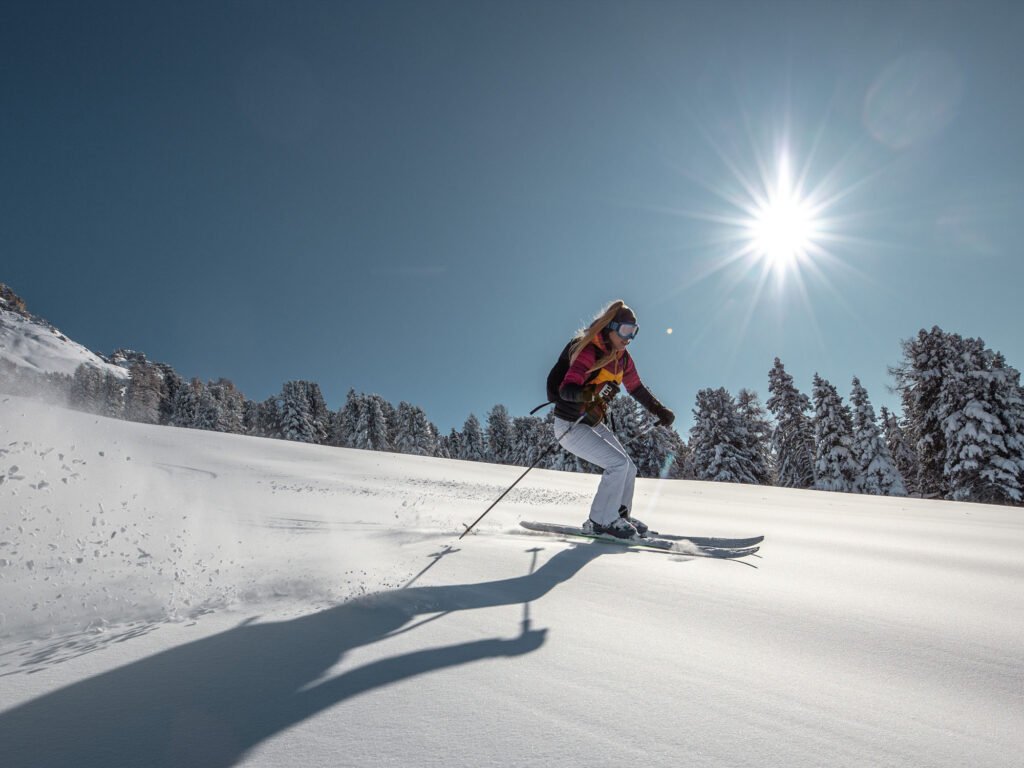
[28,344]
[173,597]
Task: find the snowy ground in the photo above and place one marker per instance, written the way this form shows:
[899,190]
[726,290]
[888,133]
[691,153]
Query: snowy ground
[180,598]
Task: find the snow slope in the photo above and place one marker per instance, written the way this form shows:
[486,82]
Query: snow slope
[40,348]
[181,598]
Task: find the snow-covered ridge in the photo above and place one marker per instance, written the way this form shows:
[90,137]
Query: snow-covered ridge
[27,342]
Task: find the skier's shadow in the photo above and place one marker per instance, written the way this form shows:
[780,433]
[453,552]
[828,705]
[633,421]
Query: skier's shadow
[206,703]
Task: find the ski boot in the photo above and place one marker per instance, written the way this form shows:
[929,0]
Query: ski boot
[641,527]
[620,528]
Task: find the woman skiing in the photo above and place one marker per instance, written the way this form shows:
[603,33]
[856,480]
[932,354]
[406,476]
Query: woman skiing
[592,367]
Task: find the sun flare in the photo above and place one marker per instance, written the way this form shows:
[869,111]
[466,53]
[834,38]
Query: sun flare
[782,228]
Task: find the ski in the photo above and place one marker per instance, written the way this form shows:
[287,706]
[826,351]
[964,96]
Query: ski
[713,541]
[679,546]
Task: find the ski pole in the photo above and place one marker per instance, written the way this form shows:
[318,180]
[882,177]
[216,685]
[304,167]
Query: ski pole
[551,447]
[606,393]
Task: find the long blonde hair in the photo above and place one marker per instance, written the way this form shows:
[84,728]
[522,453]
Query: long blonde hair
[585,336]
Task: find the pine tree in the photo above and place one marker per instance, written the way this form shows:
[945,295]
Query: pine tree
[86,389]
[902,451]
[834,466]
[345,420]
[371,430]
[251,418]
[414,434]
[527,440]
[319,415]
[142,399]
[172,384]
[113,388]
[222,408]
[382,429]
[208,414]
[877,473]
[983,422]
[269,418]
[449,446]
[472,446]
[654,452]
[499,436]
[681,466]
[758,429]
[719,441]
[296,419]
[186,404]
[793,437]
[928,361]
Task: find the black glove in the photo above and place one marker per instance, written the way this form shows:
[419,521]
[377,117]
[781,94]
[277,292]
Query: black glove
[665,417]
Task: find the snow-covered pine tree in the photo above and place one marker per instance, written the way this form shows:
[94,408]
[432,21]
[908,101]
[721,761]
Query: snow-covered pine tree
[527,440]
[343,424]
[449,446]
[472,446]
[86,389]
[371,431]
[414,434]
[382,429]
[172,384]
[499,435]
[208,415]
[793,437]
[114,388]
[226,414]
[834,464]
[759,435]
[877,473]
[983,421]
[142,399]
[319,414]
[251,418]
[928,360]
[654,452]
[719,440]
[296,419]
[269,418]
[902,451]
[682,467]
[186,403]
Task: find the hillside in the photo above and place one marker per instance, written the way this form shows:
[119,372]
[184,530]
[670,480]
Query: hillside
[32,344]
[176,597]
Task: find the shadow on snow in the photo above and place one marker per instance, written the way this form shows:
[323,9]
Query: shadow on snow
[206,703]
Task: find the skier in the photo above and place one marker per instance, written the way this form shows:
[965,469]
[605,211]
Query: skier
[587,376]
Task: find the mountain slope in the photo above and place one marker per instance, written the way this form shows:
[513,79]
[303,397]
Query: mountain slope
[31,343]
[213,600]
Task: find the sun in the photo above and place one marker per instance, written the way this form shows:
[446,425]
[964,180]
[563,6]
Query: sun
[782,228]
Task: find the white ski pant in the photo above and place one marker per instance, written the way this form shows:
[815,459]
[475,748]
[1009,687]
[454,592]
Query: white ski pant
[600,447]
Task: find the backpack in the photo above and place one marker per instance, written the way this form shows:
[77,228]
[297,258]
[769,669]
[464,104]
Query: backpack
[557,373]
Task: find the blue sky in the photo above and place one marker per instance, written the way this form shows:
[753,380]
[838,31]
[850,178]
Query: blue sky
[426,199]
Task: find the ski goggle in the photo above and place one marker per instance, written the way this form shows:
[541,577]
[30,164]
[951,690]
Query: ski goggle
[625,330]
